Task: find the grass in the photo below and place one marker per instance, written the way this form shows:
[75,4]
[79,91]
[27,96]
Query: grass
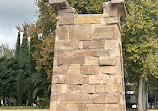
[19,107]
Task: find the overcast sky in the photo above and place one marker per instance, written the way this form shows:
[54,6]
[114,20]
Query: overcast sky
[12,13]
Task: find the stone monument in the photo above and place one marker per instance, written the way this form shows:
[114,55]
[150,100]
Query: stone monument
[88,68]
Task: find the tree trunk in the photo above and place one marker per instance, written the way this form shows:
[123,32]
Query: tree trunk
[140,93]
[144,96]
[155,100]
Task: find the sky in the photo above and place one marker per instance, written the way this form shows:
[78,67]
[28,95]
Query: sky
[12,13]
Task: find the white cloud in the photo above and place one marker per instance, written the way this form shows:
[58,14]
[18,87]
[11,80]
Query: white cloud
[13,12]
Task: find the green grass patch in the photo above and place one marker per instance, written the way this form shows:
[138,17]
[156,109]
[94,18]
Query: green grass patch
[19,107]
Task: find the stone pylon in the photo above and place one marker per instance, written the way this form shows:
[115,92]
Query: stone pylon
[88,68]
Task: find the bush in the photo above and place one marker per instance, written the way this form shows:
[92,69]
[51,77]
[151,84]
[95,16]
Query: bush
[43,103]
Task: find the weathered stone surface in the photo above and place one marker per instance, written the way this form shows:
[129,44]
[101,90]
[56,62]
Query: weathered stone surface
[112,107]
[76,79]
[111,88]
[89,69]
[112,98]
[76,98]
[98,79]
[87,19]
[109,61]
[54,97]
[58,79]
[63,32]
[87,88]
[100,88]
[110,69]
[58,88]
[91,60]
[60,70]
[111,44]
[77,107]
[96,107]
[99,98]
[80,32]
[115,52]
[58,61]
[105,32]
[66,44]
[74,60]
[84,52]
[66,20]
[93,44]
[100,52]
[74,69]
[74,88]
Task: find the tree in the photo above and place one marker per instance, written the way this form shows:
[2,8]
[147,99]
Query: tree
[22,78]
[139,40]
[17,51]
[8,72]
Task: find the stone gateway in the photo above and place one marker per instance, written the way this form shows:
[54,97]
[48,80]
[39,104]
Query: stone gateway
[88,68]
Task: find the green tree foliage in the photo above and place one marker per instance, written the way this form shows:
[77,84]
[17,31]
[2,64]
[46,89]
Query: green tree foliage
[17,51]
[140,39]
[8,72]
[22,78]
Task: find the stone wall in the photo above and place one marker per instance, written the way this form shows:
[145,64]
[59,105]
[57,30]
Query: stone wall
[88,73]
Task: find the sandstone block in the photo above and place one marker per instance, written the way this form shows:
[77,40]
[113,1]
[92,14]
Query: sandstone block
[98,79]
[91,60]
[54,97]
[100,88]
[83,52]
[93,44]
[66,44]
[105,32]
[59,88]
[115,52]
[76,98]
[58,61]
[61,106]
[96,107]
[58,79]
[77,107]
[100,52]
[80,32]
[66,20]
[89,69]
[87,19]
[74,60]
[116,79]
[111,44]
[74,69]
[110,69]
[60,70]
[87,88]
[76,79]
[111,88]
[66,52]
[108,61]
[112,98]
[62,32]
[112,107]
[74,88]
[100,99]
